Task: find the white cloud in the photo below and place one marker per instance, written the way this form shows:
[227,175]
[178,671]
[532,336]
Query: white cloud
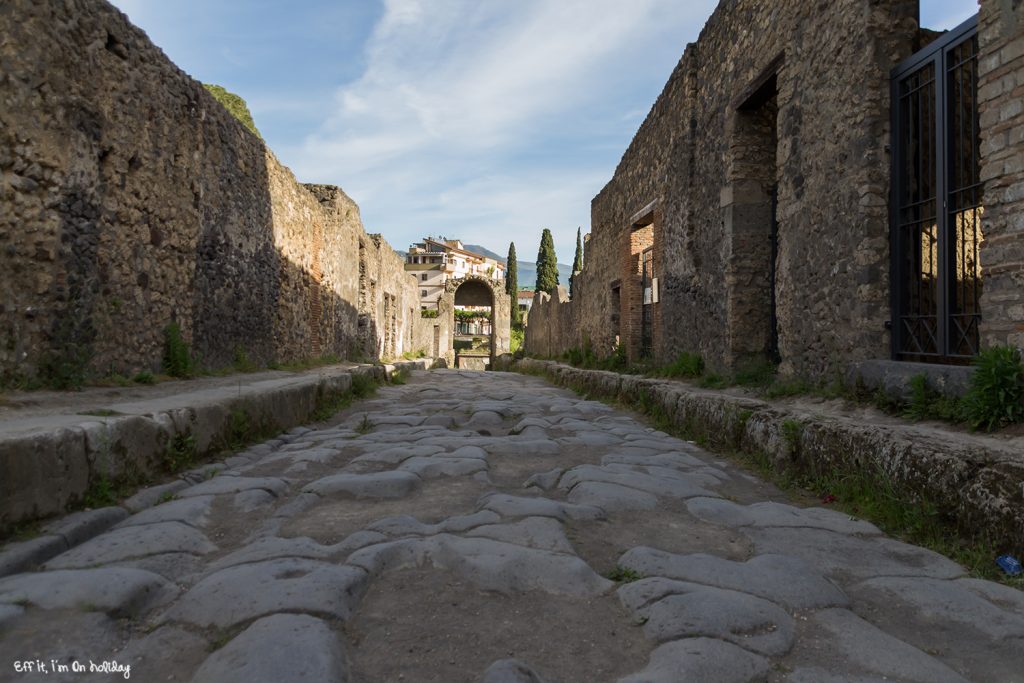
[456,92]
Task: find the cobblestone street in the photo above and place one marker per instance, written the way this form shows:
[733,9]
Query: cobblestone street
[489,526]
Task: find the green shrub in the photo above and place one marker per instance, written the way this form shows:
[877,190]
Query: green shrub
[996,395]
[241,360]
[235,105]
[517,335]
[177,357]
[428,313]
[685,365]
[928,404]
[758,373]
[144,377]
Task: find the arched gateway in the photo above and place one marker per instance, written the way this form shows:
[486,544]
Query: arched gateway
[473,290]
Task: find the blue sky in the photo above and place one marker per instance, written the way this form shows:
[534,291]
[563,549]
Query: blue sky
[483,120]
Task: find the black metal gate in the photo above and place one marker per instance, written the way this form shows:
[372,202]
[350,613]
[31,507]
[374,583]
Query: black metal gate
[647,309]
[936,201]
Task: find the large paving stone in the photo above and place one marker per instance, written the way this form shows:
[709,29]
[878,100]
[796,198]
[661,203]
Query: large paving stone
[390,484]
[787,581]
[405,525]
[149,497]
[515,447]
[81,526]
[840,641]
[237,594]
[191,511]
[489,564]
[611,497]
[674,487]
[227,484]
[937,601]
[135,541]
[271,548]
[844,557]
[281,647]
[24,555]
[397,454]
[750,622]
[771,514]
[701,660]
[510,671]
[543,533]
[436,467]
[678,461]
[522,506]
[545,481]
[8,613]
[120,591]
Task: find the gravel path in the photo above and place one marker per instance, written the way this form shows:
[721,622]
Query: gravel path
[489,527]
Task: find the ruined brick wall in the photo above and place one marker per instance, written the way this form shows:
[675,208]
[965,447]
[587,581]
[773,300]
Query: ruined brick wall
[1001,113]
[703,165]
[130,198]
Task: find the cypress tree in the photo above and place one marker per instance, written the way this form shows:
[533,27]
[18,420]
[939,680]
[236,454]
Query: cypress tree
[512,283]
[577,263]
[547,263]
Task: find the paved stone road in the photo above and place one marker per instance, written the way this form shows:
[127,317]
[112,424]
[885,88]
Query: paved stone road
[463,527]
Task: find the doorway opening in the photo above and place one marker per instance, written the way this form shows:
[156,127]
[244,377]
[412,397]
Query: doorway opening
[473,325]
[750,215]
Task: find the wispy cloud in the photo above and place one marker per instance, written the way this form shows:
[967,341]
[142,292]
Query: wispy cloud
[470,115]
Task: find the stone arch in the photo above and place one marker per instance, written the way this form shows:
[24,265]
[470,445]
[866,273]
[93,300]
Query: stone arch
[468,291]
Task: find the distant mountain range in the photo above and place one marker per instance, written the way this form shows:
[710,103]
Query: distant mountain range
[526,271]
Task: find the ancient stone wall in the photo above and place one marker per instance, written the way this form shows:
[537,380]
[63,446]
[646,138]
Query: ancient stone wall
[1001,117]
[776,104]
[130,198]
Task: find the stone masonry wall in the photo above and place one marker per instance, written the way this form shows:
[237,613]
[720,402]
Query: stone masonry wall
[130,198]
[790,98]
[1001,112]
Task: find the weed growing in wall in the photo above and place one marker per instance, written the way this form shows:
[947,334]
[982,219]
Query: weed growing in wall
[927,404]
[177,357]
[180,454]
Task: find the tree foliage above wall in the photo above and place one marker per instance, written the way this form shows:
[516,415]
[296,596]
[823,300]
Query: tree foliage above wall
[547,263]
[234,104]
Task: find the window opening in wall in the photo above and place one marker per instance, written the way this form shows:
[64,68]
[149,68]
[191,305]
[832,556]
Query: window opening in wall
[647,278]
[936,217]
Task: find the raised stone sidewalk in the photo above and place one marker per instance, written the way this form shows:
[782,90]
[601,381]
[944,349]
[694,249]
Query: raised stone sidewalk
[55,445]
[975,479]
[489,527]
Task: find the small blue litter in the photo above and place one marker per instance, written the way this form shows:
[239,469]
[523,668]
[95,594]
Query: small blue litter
[1009,564]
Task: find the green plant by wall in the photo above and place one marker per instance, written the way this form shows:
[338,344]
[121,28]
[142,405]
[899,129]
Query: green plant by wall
[516,336]
[428,313]
[685,365]
[235,105]
[927,404]
[792,432]
[180,454]
[177,357]
[996,395]
[241,361]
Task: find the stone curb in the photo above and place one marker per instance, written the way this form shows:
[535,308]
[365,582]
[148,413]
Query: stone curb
[981,487]
[47,470]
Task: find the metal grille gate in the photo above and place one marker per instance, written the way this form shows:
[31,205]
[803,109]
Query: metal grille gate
[936,216]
